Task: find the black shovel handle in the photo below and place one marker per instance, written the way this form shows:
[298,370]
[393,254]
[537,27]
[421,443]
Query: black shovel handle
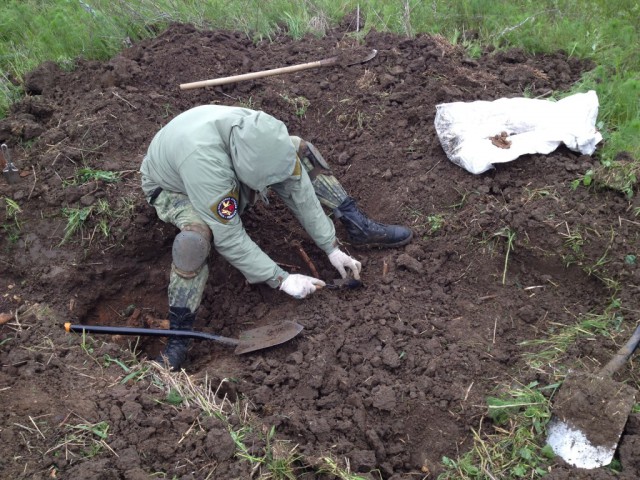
[150,332]
[622,355]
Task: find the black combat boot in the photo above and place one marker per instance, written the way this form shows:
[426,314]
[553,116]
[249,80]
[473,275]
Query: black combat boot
[175,353]
[364,232]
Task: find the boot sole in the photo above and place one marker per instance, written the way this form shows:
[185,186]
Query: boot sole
[401,243]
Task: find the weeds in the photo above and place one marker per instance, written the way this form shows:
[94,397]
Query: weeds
[560,337]
[102,214]
[274,459]
[12,210]
[473,49]
[510,236]
[511,448]
[586,180]
[619,176]
[300,104]
[109,360]
[539,193]
[86,175]
[277,460]
[174,397]
[462,202]
[248,103]
[355,118]
[85,440]
[436,222]
[99,430]
[574,242]
[12,227]
[86,344]
[331,466]
[180,385]
[136,373]
[76,218]
[431,223]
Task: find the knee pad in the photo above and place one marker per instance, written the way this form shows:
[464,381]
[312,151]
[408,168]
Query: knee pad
[191,249]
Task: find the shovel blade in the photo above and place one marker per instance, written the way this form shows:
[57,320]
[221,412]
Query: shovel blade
[11,174]
[590,412]
[267,336]
[571,444]
[365,59]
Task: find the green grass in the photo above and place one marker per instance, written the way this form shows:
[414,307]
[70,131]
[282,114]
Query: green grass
[101,216]
[513,446]
[606,32]
[84,440]
[510,237]
[549,351]
[86,175]
[76,218]
[12,227]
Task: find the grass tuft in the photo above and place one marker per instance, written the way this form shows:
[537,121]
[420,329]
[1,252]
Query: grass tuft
[511,447]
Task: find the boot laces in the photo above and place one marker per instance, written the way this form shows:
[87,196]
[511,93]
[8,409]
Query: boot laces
[359,220]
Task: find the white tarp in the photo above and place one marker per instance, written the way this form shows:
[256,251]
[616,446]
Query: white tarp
[470,132]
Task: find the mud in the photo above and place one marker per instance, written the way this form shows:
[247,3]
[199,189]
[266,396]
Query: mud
[389,377]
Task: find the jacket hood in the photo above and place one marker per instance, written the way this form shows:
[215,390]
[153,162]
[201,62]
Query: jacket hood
[261,151]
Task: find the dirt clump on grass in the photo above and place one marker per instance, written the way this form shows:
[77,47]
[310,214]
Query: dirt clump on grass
[386,379]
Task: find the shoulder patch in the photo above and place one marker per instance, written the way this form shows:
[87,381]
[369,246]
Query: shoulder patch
[226,209]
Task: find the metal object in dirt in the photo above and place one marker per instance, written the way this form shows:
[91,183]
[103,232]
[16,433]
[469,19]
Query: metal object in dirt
[275,71]
[344,284]
[569,433]
[10,172]
[248,341]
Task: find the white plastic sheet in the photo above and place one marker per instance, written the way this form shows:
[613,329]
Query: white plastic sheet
[468,130]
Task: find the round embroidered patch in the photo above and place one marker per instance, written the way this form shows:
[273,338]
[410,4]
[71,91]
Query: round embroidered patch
[227,208]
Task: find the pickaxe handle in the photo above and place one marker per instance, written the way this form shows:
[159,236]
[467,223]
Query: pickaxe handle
[260,74]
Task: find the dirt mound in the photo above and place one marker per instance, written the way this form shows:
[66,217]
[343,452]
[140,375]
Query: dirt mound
[392,376]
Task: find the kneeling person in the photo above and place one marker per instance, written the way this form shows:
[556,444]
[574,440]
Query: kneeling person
[201,172]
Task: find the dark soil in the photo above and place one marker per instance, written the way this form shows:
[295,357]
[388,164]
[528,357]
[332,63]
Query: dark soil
[389,377]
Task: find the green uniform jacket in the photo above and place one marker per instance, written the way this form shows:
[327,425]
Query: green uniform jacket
[218,156]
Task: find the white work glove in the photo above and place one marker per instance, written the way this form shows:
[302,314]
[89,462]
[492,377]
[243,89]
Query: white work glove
[299,286]
[340,260]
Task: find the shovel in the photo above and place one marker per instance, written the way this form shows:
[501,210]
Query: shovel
[10,172]
[277,71]
[590,412]
[249,341]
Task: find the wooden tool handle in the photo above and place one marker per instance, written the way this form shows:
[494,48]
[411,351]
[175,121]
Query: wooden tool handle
[261,74]
[621,357]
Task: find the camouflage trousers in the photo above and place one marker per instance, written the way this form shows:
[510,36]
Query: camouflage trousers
[176,209]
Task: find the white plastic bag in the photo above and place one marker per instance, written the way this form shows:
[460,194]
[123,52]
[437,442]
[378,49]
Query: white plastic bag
[476,135]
